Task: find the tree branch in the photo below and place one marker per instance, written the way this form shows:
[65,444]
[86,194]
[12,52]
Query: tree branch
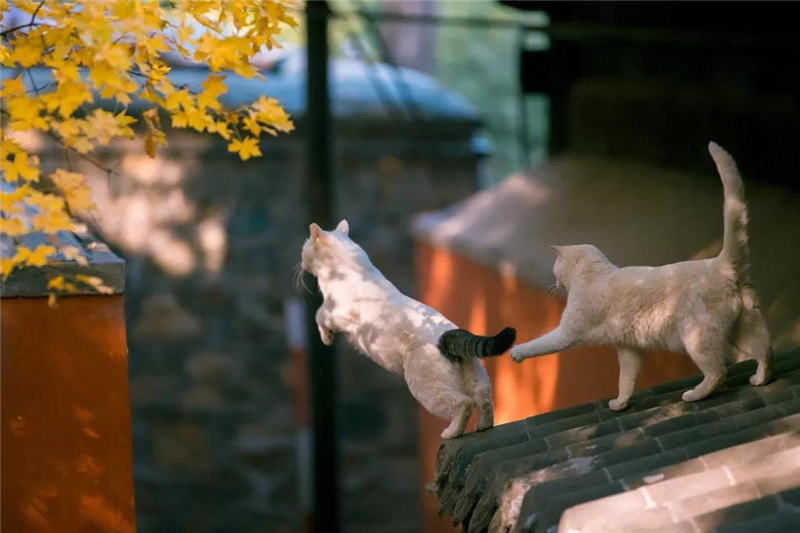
[15,28]
[28,25]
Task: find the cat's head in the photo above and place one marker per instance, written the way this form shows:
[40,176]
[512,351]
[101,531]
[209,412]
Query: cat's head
[329,248]
[575,260]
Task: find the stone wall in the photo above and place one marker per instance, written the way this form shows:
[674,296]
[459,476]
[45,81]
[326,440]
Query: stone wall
[210,244]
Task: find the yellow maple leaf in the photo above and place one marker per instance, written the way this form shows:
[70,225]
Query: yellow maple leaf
[96,282]
[123,125]
[102,73]
[101,126]
[12,87]
[73,253]
[25,113]
[197,119]
[56,283]
[11,202]
[22,166]
[153,140]
[220,127]
[116,56]
[26,52]
[13,226]
[251,124]
[154,44]
[246,148]
[6,266]
[52,221]
[73,186]
[179,99]
[67,97]
[67,129]
[82,145]
[36,257]
[270,112]
[213,88]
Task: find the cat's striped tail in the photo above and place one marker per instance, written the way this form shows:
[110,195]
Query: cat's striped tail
[458,344]
[735,250]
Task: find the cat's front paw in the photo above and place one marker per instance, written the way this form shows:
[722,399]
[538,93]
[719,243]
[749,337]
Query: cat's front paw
[326,335]
[451,433]
[617,405]
[517,355]
[758,381]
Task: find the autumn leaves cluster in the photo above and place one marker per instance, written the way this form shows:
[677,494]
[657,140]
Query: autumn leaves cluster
[114,50]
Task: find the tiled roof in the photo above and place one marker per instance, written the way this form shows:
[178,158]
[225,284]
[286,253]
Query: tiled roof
[730,462]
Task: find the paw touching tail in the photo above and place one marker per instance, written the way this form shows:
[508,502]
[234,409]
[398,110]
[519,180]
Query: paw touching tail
[458,344]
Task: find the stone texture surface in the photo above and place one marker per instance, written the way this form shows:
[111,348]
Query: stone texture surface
[663,461]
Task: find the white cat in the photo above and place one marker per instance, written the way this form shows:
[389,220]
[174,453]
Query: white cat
[707,308]
[402,335]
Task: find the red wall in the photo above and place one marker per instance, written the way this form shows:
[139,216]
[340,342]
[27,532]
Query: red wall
[66,420]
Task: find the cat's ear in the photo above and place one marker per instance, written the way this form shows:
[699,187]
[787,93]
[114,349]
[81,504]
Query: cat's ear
[343,227]
[316,232]
[558,249]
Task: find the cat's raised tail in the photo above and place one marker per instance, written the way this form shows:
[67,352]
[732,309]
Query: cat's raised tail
[734,243]
[458,344]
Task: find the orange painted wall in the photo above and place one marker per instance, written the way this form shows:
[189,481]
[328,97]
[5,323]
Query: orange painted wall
[67,460]
[483,301]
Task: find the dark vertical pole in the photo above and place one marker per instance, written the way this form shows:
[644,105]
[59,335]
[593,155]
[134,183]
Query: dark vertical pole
[321,360]
[522,107]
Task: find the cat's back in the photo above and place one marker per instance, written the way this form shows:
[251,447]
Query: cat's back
[672,279]
[645,305]
[419,319]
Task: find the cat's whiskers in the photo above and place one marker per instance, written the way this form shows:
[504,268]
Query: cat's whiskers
[548,292]
[555,288]
[298,278]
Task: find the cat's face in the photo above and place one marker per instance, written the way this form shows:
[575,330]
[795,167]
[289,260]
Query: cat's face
[326,248]
[570,258]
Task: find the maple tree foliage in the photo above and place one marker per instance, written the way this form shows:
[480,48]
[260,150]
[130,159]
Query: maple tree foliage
[113,49]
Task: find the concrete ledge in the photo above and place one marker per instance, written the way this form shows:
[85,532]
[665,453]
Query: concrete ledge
[100,261]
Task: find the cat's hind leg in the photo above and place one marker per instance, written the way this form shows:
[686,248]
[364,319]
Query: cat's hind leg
[752,340]
[461,415]
[476,383]
[708,353]
[630,362]
[485,406]
[437,384]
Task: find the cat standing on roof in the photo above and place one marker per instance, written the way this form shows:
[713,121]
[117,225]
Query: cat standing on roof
[438,361]
[706,308]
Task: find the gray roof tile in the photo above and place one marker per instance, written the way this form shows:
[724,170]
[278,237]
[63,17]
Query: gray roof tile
[524,475]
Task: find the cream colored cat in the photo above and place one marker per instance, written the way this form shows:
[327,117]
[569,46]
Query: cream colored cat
[438,361]
[707,308]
